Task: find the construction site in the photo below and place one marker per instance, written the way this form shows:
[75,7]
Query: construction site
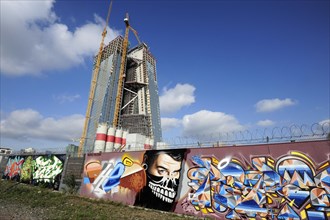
[122,156]
[123,105]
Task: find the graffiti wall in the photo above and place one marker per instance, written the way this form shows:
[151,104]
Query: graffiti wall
[274,181]
[35,169]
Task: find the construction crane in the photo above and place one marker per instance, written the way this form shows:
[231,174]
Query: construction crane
[136,34]
[120,88]
[93,85]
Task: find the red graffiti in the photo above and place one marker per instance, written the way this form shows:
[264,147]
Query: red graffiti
[13,167]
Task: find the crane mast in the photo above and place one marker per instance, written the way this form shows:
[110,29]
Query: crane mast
[120,88]
[93,85]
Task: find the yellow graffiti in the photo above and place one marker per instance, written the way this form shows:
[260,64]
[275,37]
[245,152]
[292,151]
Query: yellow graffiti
[323,166]
[296,153]
[291,203]
[308,206]
[128,162]
[215,161]
[303,214]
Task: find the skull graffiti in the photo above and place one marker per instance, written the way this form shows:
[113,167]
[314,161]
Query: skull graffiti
[163,175]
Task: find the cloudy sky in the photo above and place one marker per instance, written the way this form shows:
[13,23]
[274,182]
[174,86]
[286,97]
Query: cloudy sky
[222,66]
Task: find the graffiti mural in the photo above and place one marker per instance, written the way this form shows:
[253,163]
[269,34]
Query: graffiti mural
[293,187]
[163,178]
[35,169]
[149,179]
[13,168]
[26,172]
[103,177]
[47,168]
[273,181]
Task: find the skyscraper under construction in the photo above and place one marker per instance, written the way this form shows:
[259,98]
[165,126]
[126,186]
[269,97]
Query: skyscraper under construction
[137,96]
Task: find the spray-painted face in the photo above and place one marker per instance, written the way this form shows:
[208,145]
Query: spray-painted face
[163,177]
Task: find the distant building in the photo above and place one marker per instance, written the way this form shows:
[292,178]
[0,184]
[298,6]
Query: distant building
[72,150]
[140,111]
[4,150]
[28,150]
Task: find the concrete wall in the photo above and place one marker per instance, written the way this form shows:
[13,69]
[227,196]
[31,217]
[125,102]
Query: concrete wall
[273,181]
[49,170]
[3,163]
[34,169]
[73,166]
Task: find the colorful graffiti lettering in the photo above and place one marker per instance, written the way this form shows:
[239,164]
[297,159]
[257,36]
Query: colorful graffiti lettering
[35,169]
[287,189]
[13,168]
[26,172]
[106,176]
[152,180]
[46,168]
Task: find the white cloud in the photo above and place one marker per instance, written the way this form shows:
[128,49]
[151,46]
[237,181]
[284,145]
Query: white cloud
[205,123]
[34,41]
[28,124]
[325,125]
[175,98]
[66,98]
[265,123]
[325,122]
[269,105]
[170,123]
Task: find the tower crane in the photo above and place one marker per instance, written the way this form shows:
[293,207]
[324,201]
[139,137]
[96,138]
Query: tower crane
[136,34]
[93,85]
[120,88]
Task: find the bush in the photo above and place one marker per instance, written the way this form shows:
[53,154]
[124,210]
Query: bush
[71,185]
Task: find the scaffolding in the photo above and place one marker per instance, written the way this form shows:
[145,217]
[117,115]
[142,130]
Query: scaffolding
[139,124]
[137,115]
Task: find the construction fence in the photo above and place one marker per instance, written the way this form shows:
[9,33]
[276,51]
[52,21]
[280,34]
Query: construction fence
[266,181]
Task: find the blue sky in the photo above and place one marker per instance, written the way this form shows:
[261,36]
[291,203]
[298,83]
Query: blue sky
[222,65]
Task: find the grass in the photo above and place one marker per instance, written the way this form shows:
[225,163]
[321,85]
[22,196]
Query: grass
[56,205]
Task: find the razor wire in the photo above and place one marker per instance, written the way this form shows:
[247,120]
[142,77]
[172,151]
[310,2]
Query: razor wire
[291,133]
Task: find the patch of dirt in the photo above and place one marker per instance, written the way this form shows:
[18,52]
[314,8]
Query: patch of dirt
[11,210]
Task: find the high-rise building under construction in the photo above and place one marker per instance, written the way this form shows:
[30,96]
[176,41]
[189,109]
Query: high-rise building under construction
[139,102]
